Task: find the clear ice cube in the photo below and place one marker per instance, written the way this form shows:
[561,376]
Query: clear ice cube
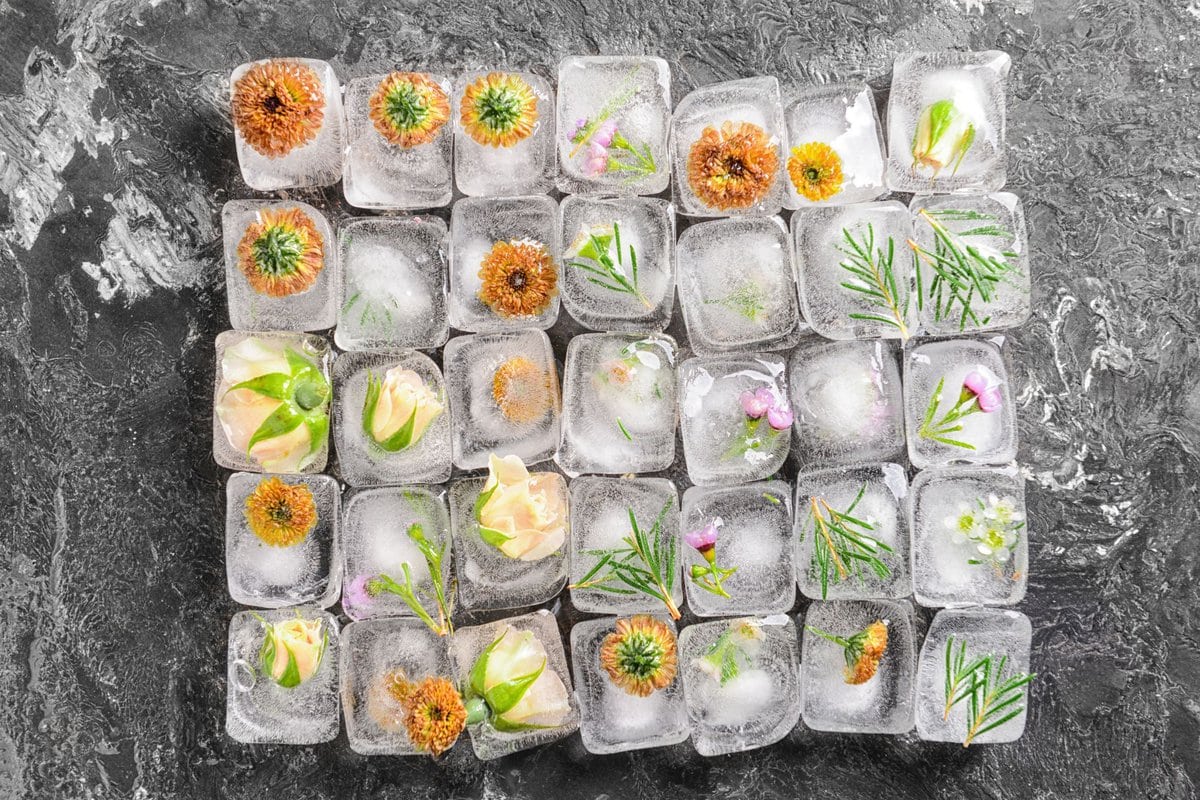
[497,166]
[842,118]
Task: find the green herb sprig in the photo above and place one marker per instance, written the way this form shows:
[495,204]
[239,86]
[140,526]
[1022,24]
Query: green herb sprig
[843,546]
[991,697]
[874,269]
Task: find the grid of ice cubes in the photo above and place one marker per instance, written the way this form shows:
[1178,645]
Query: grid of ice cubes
[360,459]
[844,117]
[270,576]
[393,292]
[382,175]
[618,404]
[631,92]
[375,542]
[646,226]
[526,167]
[737,285]
[884,703]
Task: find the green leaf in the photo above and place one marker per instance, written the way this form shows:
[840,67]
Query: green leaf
[504,726]
[273,385]
[318,428]
[298,362]
[401,438]
[284,419]
[479,668]
[503,696]
[291,673]
[493,537]
[482,500]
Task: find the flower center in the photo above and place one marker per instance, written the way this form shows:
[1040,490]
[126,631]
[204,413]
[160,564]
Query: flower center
[406,109]
[735,167]
[498,109]
[278,251]
[517,280]
[640,655]
[272,103]
[311,394]
[812,174]
[280,512]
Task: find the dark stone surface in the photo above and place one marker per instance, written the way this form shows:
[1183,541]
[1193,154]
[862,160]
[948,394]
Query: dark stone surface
[115,155]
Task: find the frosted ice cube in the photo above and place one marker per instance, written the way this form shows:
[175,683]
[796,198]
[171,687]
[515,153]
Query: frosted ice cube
[274,575]
[362,460]
[882,704]
[881,505]
[758,703]
[526,278]
[376,652]
[465,647]
[254,231]
[742,121]
[375,542]
[973,83]
[390,171]
[503,391]
[721,442]
[646,226]
[737,286]
[393,290]
[498,165]
[488,579]
[618,404]
[754,524]
[987,227]
[847,399]
[260,711]
[844,119]
[854,268]
[600,521]
[984,632]
[614,115]
[989,437]
[316,162]
[970,540]
[612,720]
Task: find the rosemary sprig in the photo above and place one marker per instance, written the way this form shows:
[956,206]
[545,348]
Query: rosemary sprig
[372,315]
[611,274]
[873,269]
[992,698]
[940,429]
[843,545]
[408,591]
[747,299]
[646,564]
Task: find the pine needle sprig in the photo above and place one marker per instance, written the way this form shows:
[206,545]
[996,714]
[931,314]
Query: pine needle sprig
[843,547]
[645,565]
[874,274]
[992,697]
[611,273]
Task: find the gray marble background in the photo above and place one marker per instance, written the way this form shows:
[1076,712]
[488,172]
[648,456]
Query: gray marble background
[116,154]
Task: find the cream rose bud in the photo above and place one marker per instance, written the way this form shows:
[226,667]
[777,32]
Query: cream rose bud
[292,650]
[513,678]
[944,134]
[399,409]
[522,515]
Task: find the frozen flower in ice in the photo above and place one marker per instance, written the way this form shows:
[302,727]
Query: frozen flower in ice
[735,650]
[640,655]
[398,410]
[596,161]
[978,394]
[733,166]
[281,514]
[409,108]
[758,402]
[358,595]
[292,650]
[704,540]
[522,390]
[762,403]
[944,135]
[779,417]
[579,131]
[816,170]
[498,109]
[1002,510]
[604,134]
[964,523]
[513,678]
[518,278]
[278,106]
[434,715]
[862,651]
[282,252]
[520,514]
[991,527]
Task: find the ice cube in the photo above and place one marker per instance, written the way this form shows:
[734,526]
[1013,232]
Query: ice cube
[618,404]
[863,522]
[390,168]
[409,388]
[945,122]
[258,709]
[393,284]
[722,441]
[601,290]
[281,266]
[736,123]
[855,271]
[273,566]
[970,540]
[467,644]
[847,400]
[833,125]
[741,682]
[754,538]
[614,116]
[972,634]
[938,434]
[737,286]
[375,542]
[503,154]
[600,509]
[504,398]
[883,703]
[504,263]
[613,719]
[290,155]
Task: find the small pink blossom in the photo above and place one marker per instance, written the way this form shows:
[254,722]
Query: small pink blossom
[604,134]
[703,539]
[358,593]
[597,160]
[975,383]
[989,399]
[580,124]
[780,417]
[757,403]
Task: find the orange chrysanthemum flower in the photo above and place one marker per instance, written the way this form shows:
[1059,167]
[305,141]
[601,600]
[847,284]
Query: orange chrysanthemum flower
[521,390]
[640,655]
[498,109]
[281,253]
[519,278]
[434,715]
[871,643]
[816,170]
[409,108]
[281,514]
[732,167]
[278,106]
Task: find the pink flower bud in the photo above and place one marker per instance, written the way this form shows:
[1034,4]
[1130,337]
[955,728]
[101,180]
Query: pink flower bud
[703,539]
[780,417]
[757,403]
[975,383]
[989,399]
[604,134]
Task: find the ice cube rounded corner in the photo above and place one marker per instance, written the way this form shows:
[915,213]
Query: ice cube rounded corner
[510,153]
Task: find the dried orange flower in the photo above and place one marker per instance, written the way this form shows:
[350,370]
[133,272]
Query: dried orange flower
[281,514]
[409,108]
[434,715]
[519,278]
[862,651]
[281,253]
[816,170]
[640,655]
[498,109]
[278,106]
[522,390]
[732,167]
